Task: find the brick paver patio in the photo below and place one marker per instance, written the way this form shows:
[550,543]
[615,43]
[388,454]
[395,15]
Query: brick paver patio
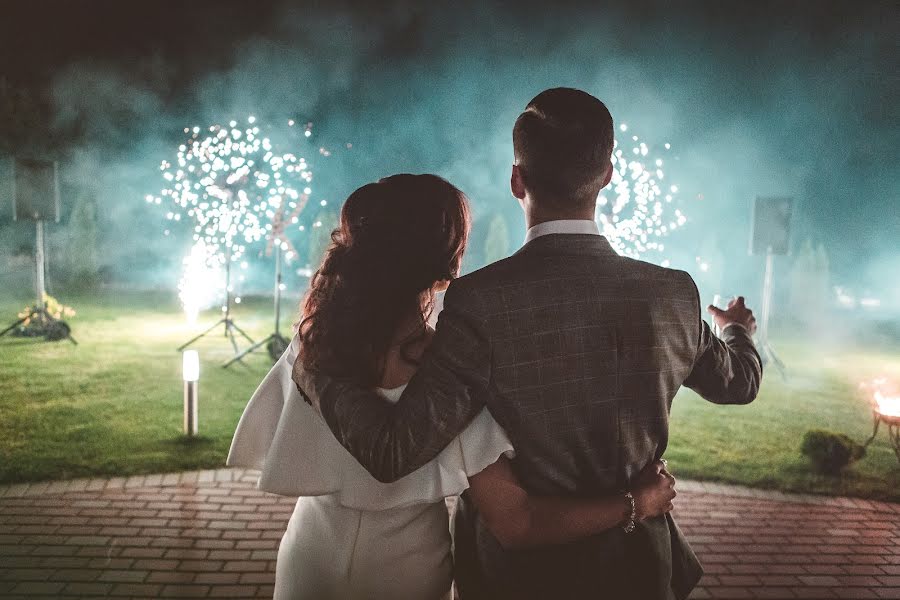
[211,534]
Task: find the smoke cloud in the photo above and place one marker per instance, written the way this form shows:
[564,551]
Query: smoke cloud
[765,100]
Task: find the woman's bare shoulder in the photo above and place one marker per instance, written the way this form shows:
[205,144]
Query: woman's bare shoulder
[403,361]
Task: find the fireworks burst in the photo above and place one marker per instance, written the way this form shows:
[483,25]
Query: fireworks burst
[202,283]
[636,210]
[231,182]
[236,188]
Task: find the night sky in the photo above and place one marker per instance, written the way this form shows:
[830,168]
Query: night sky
[757,98]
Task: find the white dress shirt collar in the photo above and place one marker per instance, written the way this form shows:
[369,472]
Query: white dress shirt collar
[579,226]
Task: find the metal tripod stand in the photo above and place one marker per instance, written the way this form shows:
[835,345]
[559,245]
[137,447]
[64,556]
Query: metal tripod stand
[276,343]
[51,328]
[230,326]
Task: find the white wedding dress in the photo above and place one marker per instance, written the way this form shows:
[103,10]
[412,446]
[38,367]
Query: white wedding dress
[350,536]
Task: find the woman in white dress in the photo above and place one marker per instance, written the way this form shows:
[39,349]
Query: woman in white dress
[366,316]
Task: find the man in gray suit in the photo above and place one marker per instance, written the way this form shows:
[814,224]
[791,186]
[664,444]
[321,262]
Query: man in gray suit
[577,352]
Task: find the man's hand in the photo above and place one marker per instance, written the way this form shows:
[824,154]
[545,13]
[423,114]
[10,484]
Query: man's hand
[653,490]
[737,313]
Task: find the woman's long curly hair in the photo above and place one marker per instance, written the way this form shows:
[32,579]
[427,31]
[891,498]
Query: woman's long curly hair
[396,239]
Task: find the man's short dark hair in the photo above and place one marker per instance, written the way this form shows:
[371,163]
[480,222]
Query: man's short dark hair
[562,143]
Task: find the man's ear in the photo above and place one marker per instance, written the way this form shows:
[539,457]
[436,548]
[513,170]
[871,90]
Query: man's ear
[516,183]
[608,177]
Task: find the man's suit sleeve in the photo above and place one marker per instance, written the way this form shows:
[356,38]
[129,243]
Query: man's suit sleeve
[727,370]
[444,395]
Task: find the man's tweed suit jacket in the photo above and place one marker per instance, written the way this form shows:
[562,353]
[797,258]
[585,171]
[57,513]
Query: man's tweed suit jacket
[578,353]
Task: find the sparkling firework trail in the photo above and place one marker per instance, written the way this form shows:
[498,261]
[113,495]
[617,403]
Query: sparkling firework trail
[636,210]
[201,284]
[231,182]
[236,188]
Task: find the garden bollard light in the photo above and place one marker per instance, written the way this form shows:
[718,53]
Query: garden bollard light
[191,374]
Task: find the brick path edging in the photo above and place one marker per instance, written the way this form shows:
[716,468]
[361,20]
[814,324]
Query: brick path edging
[100,484]
[40,488]
[211,534]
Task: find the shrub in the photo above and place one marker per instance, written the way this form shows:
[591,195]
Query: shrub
[829,451]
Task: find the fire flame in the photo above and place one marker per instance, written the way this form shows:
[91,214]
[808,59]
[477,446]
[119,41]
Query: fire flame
[887,401]
[889,406]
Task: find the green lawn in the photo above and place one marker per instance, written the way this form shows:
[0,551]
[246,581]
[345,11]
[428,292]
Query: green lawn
[113,404]
[757,445]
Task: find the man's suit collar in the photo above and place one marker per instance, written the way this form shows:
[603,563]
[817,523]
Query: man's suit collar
[568,243]
[566,226]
